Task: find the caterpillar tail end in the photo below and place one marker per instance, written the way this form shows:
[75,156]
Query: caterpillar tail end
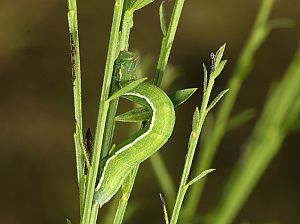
[100,198]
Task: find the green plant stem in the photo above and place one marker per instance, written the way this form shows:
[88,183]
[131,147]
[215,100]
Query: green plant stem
[103,109]
[76,79]
[127,24]
[258,34]
[167,42]
[193,141]
[126,191]
[123,45]
[263,144]
[110,121]
[94,213]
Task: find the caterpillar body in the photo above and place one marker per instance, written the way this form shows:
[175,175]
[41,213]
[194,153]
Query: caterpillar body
[134,150]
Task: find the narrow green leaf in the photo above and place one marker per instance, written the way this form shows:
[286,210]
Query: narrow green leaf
[126,89]
[205,78]
[219,54]
[216,100]
[162,18]
[218,69]
[143,114]
[196,119]
[164,209]
[134,115]
[180,96]
[240,119]
[138,4]
[200,176]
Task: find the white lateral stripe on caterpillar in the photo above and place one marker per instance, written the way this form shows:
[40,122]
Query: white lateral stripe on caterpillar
[141,145]
[135,140]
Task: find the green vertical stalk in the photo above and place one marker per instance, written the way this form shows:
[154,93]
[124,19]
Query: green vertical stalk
[244,64]
[126,25]
[110,122]
[103,109]
[280,109]
[167,42]
[198,120]
[165,50]
[76,79]
[191,152]
[126,191]
[127,186]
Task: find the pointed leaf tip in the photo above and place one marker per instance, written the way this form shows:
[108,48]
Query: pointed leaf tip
[180,96]
[217,99]
[162,18]
[126,89]
[200,176]
[138,4]
[218,69]
[196,119]
[135,115]
[219,54]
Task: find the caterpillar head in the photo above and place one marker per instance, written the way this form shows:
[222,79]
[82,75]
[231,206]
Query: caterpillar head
[125,66]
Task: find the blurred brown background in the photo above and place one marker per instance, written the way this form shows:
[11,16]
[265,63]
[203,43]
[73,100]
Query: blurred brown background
[37,170]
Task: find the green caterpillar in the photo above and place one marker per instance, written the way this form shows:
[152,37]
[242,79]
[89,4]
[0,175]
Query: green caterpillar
[154,134]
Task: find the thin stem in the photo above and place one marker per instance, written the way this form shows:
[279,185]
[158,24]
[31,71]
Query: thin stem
[94,213]
[127,188]
[123,45]
[76,79]
[127,23]
[165,50]
[92,175]
[103,109]
[194,137]
[258,34]
[167,42]
[110,121]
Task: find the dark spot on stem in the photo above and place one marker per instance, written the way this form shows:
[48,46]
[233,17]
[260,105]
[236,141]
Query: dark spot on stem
[88,144]
[73,57]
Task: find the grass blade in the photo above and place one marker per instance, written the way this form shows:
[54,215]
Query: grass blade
[126,89]
[199,177]
[162,18]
